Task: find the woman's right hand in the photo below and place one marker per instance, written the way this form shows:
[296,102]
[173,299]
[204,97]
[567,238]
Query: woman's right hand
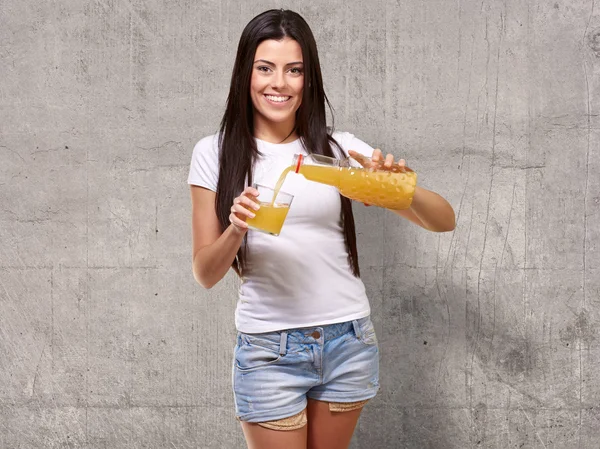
[240,211]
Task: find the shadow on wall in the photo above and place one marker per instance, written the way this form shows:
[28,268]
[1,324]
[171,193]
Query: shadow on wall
[466,361]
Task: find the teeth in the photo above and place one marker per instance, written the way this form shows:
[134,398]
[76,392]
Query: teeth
[277,99]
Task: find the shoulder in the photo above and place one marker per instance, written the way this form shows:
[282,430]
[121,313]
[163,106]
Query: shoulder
[207,149]
[349,141]
[342,137]
[345,138]
[208,144]
[204,167]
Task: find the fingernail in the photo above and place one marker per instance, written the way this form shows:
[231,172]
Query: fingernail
[252,215]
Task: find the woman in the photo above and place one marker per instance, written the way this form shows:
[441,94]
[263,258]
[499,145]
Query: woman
[306,359]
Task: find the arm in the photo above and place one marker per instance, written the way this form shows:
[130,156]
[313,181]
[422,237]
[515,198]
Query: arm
[430,211]
[213,251]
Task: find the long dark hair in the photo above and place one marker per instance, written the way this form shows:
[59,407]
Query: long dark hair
[238,150]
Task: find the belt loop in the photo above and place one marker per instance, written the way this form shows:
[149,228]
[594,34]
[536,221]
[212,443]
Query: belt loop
[357,331]
[283,343]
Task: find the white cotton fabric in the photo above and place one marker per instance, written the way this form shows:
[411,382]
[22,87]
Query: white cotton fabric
[302,277]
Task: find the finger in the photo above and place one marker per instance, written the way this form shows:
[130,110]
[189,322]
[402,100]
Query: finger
[240,224]
[362,160]
[245,201]
[376,157]
[399,167]
[251,191]
[241,212]
[389,160]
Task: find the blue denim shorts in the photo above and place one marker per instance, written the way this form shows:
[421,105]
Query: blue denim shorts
[275,372]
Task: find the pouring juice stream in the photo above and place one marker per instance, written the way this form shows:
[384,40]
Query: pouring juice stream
[271,215]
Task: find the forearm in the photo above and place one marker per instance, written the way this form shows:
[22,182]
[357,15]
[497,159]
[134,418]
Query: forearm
[212,262]
[433,211]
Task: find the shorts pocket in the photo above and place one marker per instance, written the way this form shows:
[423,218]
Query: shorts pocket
[249,357]
[367,333]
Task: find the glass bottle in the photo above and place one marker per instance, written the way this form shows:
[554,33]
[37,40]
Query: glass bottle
[389,188]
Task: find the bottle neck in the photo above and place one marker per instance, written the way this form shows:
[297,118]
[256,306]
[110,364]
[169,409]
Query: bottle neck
[317,168]
[297,162]
[314,159]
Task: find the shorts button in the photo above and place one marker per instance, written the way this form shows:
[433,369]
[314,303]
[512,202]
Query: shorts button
[316,335]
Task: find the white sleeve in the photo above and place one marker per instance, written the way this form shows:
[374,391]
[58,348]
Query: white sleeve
[349,142]
[204,168]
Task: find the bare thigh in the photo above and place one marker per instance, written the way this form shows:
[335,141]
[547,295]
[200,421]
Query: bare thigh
[327,429]
[258,437]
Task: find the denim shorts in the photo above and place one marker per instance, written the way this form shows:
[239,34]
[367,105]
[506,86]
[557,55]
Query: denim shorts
[275,372]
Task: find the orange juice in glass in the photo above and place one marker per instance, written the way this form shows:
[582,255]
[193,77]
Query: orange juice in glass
[273,210]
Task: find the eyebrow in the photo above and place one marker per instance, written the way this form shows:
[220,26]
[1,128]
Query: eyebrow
[270,63]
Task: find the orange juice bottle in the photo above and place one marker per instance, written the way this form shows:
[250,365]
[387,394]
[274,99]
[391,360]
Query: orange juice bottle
[391,189]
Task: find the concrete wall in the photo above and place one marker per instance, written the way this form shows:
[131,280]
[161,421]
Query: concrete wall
[489,335]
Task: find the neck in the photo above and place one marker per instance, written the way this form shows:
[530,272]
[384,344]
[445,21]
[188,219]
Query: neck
[275,132]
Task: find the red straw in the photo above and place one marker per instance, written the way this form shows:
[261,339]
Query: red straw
[300,157]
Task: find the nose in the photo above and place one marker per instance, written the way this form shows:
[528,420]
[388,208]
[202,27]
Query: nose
[278,80]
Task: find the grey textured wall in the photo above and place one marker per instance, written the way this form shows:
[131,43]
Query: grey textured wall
[489,335]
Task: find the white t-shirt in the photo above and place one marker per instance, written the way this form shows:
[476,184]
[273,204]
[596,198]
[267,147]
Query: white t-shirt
[302,277]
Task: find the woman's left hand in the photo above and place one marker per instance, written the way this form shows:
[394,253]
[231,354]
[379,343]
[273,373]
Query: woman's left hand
[377,161]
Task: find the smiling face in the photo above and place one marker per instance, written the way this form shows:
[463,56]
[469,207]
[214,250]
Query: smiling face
[276,86]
